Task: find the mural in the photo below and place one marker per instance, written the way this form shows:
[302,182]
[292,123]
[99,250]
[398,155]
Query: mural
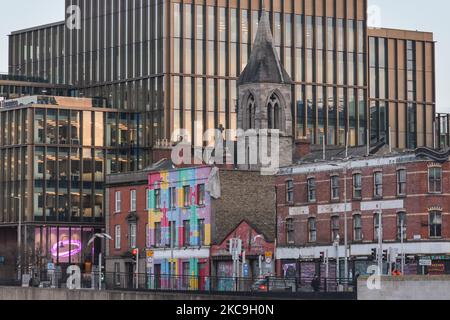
[168,204]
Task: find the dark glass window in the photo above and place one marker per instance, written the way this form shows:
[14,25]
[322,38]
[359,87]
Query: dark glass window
[290,191]
[172,198]
[435,180]
[401,182]
[157,199]
[186,196]
[335,187]
[357,228]
[290,231]
[312,230]
[158,234]
[378,184]
[201,195]
[311,190]
[435,224]
[187,233]
[201,230]
[357,186]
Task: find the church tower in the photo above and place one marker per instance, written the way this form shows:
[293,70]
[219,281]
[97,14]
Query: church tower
[264,89]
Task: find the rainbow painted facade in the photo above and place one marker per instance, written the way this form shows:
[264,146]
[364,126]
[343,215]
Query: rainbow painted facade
[179,225]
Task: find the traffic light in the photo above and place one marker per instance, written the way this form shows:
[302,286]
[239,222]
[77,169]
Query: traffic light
[374,254]
[385,255]
[322,257]
[134,255]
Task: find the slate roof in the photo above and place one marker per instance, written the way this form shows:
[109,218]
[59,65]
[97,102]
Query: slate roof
[338,152]
[264,66]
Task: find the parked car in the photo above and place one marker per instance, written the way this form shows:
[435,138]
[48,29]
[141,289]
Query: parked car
[274,285]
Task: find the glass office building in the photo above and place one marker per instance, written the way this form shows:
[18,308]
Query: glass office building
[402,88]
[177,62]
[55,153]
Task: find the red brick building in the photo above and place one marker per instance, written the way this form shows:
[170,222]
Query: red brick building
[408,187]
[127,220]
[259,251]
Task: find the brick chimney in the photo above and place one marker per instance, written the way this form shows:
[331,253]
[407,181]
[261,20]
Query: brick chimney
[302,148]
[161,150]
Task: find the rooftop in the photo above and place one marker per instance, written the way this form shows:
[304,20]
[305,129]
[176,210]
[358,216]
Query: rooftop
[44,26]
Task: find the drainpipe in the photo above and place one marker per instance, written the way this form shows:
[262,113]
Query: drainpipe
[276,228]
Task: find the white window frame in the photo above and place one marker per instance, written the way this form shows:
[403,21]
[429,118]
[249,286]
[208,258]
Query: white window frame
[117,237]
[435,185]
[133,235]
[311,189]
[401,184]
[436,213]
[333,187]
[133,200]
[118,201]
[147,199]
[357,187]
[289,191]
[360,228]
[312,232]
[375,184]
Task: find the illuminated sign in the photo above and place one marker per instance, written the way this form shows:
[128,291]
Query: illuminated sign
[67,248]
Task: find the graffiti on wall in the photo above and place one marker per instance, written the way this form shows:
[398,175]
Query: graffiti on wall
[178,200]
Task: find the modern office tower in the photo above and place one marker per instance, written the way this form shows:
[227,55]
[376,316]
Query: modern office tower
[402,87]
[55,154]
[177,61]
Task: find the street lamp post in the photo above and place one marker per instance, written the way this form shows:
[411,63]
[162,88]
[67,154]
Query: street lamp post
[19,240]
[345,224]
[345,167]
[380,242]
[99,236]
[260,258]
[336,244]
[402,241]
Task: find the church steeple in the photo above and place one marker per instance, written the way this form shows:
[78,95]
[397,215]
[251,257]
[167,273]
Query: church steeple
[264,65]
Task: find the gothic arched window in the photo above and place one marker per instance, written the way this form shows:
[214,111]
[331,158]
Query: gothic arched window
[273,113]
[251,112]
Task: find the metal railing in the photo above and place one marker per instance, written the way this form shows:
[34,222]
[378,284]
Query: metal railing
[198,284]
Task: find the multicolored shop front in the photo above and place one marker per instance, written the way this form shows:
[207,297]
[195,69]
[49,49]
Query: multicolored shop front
[179,229]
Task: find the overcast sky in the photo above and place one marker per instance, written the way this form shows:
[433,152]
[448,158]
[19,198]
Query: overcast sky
[420,15]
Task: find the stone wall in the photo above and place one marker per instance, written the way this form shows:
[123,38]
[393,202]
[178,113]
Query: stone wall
[18,293]
[245,196]
[407,288]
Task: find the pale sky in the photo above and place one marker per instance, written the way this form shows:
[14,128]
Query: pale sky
[431,15]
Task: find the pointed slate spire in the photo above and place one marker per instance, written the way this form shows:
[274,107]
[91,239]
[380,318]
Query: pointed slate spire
[264,66]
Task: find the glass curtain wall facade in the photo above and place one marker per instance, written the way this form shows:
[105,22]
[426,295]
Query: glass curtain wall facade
[39,52]
[211,46]
[402,88]
[55,159]
[177,61]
